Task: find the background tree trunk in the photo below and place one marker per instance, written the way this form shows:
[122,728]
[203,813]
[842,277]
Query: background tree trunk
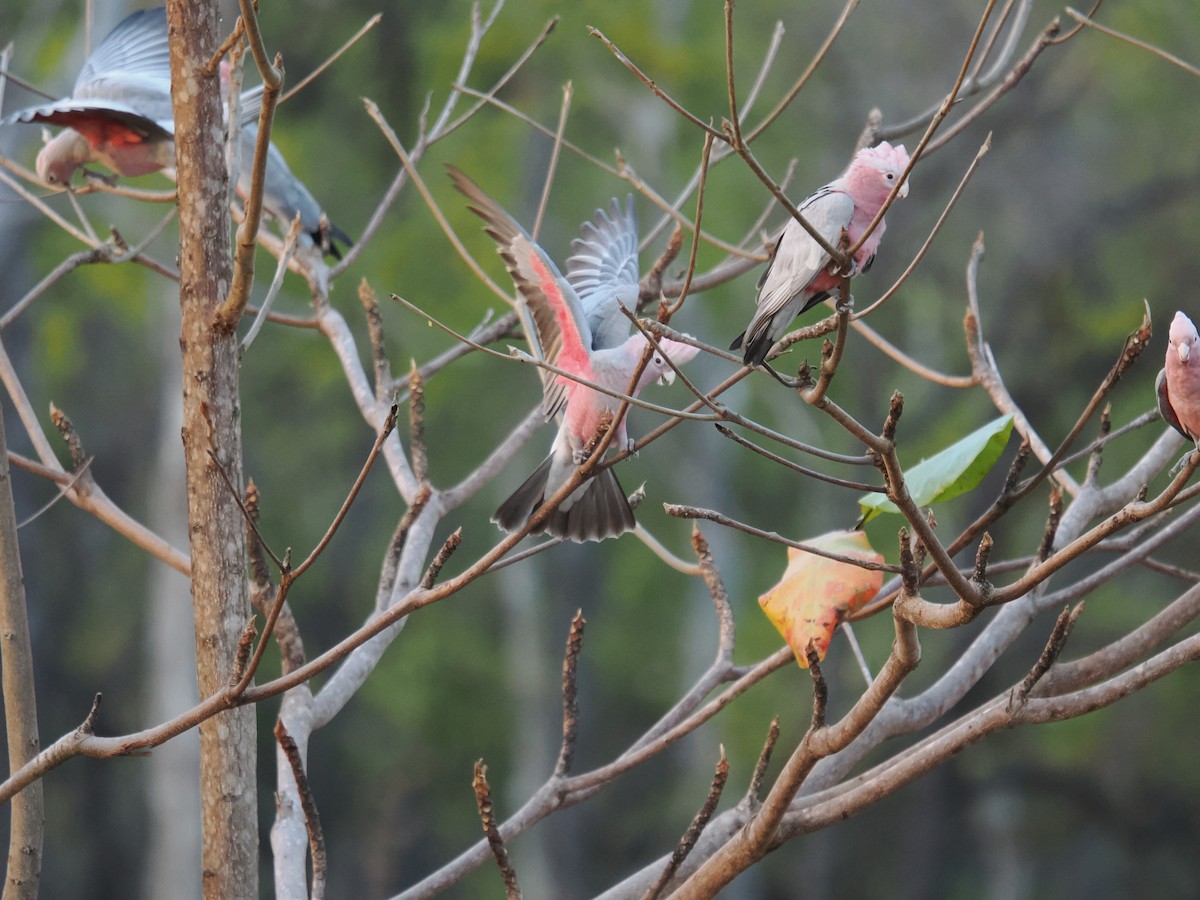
[20,704]
[212,441]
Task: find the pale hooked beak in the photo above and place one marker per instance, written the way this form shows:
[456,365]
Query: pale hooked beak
[1184,350]
[904,189]
[667,377]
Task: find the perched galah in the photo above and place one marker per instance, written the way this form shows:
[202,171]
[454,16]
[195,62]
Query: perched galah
[598,508]
[119,112]
[1178,385]
[798,276]
[603,270]
[284,195]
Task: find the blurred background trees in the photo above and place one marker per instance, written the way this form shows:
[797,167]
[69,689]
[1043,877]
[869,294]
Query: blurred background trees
[1088,203]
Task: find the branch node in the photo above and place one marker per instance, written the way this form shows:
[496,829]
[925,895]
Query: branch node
[570,689]
[452,543]
[1052,520]
[694,830]
[754,791]
[820,688]
[88,725]
[67,430]
[487,815]
[895,409]
[1050,653]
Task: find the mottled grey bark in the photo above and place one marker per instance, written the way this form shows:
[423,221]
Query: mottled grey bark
[212,442]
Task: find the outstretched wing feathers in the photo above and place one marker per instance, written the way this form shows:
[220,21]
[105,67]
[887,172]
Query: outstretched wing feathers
[562,330]
[136,48]
[603,270]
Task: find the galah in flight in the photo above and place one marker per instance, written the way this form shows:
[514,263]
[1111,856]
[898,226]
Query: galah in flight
[798,276]
[1178,384]
[598,508]
[119,114]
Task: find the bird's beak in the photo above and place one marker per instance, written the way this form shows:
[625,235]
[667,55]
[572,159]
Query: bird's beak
[1184,350]
[667,377]
[904,189]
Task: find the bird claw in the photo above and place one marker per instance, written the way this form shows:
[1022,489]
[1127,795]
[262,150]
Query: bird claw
[1183,461]
[92,175]
[631,447]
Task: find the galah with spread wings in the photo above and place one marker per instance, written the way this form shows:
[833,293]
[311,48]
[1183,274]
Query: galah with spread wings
[798,276]
[598,508]
[120,114]
[1178,385]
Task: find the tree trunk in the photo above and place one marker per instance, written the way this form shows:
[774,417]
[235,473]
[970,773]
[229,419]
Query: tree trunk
[211,442]
[20,706]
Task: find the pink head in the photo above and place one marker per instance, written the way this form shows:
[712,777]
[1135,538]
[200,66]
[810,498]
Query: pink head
[875,170]
[658,369]
[58,160]
[1182,338]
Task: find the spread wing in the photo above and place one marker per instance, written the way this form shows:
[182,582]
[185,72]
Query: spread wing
[132,65]
[603,270]
[558,316]
[798,258]
[84,115]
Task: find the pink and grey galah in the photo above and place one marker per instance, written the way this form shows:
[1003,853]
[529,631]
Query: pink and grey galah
[119,114]
[798,276]
[598,508]
[1178,384]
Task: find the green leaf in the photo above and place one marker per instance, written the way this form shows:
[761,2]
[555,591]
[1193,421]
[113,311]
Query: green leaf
[956,470]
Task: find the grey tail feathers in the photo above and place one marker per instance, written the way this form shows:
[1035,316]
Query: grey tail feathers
[325,235]
[602,511]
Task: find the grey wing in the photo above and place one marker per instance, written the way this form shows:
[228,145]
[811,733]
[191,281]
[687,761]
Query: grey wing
[1165,409]
[283,193]
[558,316]
[70,111]
[132,65]
[603,270]
[135,50]
[798,258]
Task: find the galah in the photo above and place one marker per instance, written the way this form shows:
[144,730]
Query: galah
[119,112]
[598,508]
[1178,384]
[798,276]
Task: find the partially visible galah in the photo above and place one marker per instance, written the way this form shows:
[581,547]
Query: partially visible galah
[284,195]
[603,270]
[119,112]
[598,508]
[1178,385]
[798,276]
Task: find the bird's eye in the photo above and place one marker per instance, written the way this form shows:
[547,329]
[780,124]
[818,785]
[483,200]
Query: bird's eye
[658,361]
[891,176]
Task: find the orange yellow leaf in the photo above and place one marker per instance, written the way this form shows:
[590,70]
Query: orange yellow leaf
[816,593]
